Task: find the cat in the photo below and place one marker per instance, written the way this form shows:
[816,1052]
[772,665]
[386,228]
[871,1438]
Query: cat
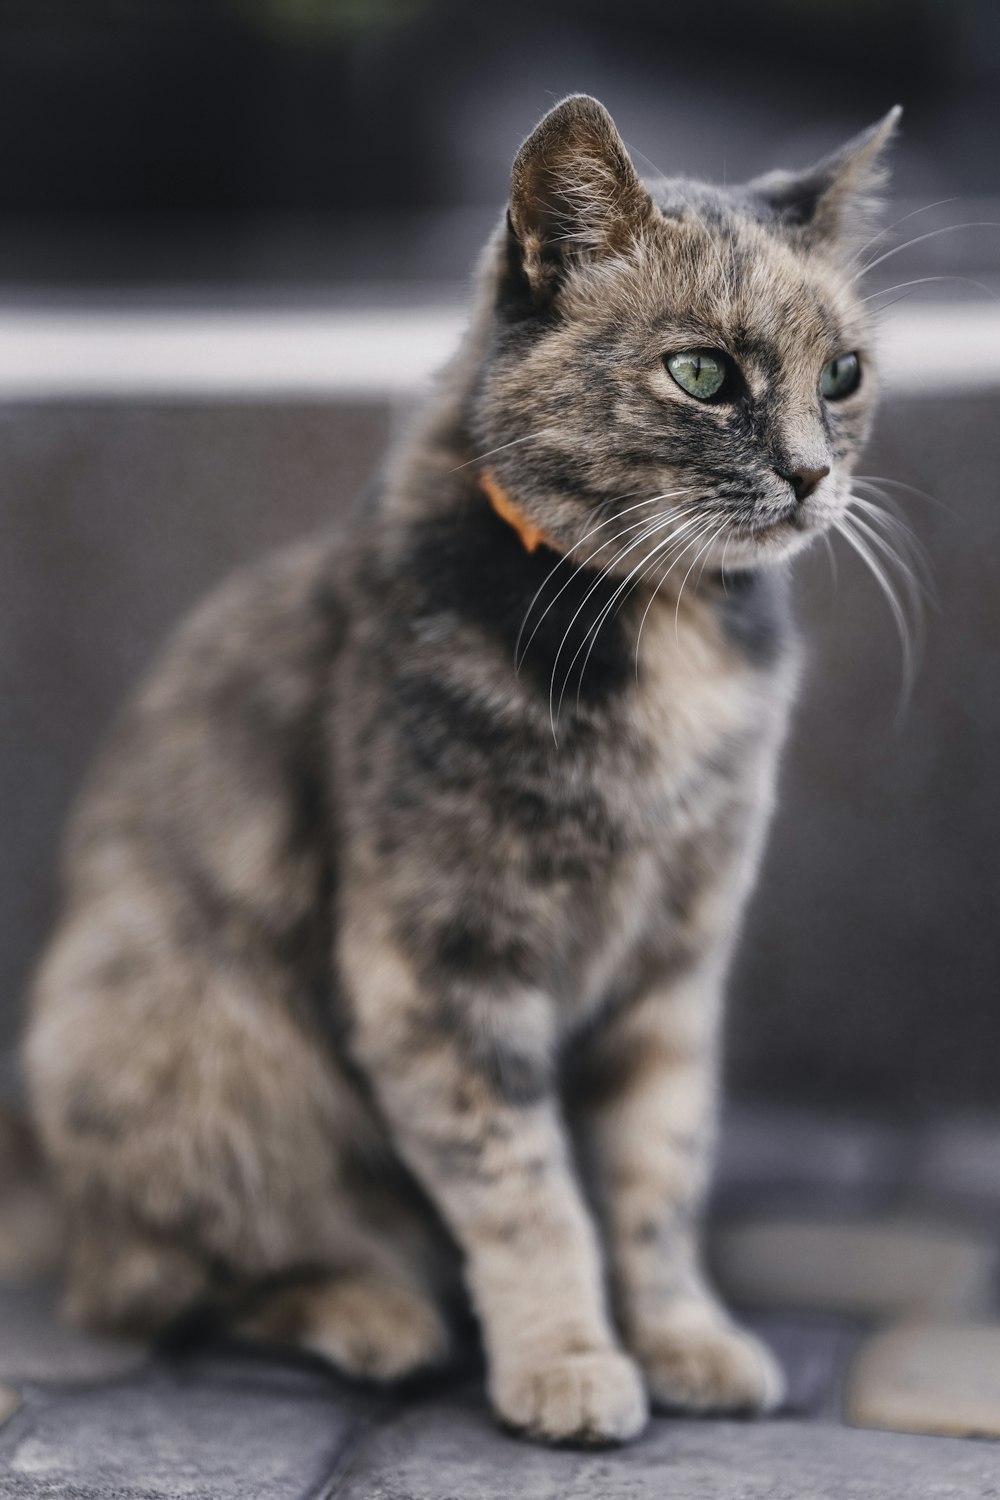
[398,909]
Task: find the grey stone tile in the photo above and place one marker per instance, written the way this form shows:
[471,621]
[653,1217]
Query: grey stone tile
[940,1378]
[775,1155]
[873,1267]
[36,1345]
[451,1450]
[179,1434]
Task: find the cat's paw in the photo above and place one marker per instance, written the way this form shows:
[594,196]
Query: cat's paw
[594,1397]
[378,1332]
[369,1328]
[700,1362]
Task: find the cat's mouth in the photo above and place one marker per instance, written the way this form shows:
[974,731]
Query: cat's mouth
[797,519]
[791,517]
[780,532]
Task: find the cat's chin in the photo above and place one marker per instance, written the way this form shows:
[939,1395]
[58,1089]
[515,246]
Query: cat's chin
[777,540]
[769,546]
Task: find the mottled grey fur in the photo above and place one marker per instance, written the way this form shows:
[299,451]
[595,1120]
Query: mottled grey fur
[399,906]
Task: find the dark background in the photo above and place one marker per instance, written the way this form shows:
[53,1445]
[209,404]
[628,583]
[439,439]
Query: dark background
[324,153]
[301,142]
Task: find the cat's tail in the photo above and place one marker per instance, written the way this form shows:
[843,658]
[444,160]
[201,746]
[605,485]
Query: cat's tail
[31,1231]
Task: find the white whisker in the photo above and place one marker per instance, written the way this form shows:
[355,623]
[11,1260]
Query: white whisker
[677,607]
[845,526]
[918,240]
[915,590]
[922,281]
[910,550]
[881,234]
[621,594]
[831,558]
[650,530]
[672,563]
[519,655]
[530,438]
[874,481]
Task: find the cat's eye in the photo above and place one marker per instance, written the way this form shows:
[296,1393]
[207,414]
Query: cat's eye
[840,377]
[702,373]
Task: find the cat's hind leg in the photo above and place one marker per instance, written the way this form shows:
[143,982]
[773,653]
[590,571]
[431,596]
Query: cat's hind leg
[369,1324]
[201,1134]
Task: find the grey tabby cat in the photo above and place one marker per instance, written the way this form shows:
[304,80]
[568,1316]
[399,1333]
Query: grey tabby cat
[399,906]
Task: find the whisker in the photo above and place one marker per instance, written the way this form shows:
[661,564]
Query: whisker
[618,598]
[915,587]
[918,240]
[687,518]
[656,589]
[519,655]
[923,281]
[621,594]
[873,481]
[530,438]
[911,551]
[650,530]
[889,509]
[646,528]
[831,557]
[844,525]
[680,592]
[722,565]
[881,234]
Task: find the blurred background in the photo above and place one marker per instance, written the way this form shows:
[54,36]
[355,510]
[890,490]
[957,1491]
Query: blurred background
[235,239]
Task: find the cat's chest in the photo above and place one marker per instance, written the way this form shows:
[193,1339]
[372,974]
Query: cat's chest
[682,781]
[685,737]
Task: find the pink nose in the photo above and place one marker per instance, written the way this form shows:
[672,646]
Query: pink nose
[803,481]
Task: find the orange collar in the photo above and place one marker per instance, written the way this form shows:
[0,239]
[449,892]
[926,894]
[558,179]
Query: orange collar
[529,534]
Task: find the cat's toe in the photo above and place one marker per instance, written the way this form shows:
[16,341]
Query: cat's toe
[708,1365]
[595,1397]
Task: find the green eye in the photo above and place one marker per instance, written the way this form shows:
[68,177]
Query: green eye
[840,377]
[700,372]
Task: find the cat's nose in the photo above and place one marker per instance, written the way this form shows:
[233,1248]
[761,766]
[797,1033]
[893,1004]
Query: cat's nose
[802,480]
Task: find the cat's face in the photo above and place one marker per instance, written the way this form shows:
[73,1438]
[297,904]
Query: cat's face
[692,364]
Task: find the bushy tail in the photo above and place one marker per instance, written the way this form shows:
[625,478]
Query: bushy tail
[31,1235]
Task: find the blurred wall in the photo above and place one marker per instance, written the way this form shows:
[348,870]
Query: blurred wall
[868,974]
[180,129]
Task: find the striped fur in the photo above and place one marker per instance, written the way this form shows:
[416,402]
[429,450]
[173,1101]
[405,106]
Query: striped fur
[399,906]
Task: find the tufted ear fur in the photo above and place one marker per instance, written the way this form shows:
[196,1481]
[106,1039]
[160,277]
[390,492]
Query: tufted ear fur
[575,195]
[834,203]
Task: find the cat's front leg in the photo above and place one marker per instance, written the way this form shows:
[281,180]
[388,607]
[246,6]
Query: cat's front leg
[646,1121]
[463,1082]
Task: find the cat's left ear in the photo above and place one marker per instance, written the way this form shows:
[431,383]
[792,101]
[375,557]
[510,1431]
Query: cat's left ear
[835,203]
[575,195]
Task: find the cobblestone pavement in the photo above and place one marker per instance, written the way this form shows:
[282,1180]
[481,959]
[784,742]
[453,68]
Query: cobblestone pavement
[865,1257]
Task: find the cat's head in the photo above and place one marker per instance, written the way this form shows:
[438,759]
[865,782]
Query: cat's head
[668,353]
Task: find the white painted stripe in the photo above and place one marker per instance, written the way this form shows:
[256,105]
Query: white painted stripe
[941,349]
[239,354]
[57,353]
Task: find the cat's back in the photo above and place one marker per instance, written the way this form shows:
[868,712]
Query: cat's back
[214,767]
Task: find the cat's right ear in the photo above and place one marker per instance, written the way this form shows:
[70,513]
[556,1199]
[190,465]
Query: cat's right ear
[575,195]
